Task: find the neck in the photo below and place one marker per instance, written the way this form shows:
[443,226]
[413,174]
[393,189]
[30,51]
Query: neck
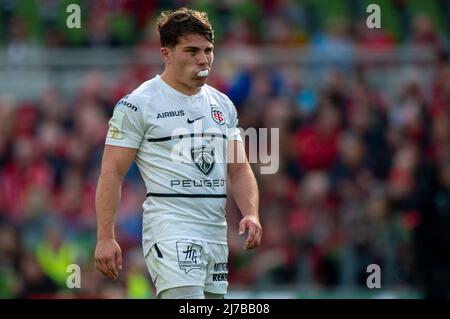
[167,77]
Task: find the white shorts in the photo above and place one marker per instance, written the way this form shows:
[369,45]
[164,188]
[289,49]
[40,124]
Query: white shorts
[187,262]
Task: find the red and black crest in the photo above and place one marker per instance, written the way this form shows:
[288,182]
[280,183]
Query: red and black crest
[217,116]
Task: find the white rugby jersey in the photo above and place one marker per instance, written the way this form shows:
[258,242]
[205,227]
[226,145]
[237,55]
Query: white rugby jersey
[181,142]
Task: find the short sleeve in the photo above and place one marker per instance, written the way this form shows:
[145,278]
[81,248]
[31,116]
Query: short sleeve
[234,133]
[126,126]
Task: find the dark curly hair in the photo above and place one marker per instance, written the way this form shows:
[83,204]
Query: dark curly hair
[176,23]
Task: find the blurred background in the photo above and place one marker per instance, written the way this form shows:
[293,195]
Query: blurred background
[364,125]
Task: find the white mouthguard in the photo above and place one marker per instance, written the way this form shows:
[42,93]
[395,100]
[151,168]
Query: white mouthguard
[203,73]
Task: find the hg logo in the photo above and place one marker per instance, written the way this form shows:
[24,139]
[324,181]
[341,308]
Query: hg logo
[189,256]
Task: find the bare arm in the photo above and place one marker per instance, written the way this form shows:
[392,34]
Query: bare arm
[245,192]
[115,164]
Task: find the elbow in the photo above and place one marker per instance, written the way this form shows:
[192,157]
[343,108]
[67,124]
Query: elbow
[238,169]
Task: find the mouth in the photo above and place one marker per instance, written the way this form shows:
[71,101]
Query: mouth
[203,73]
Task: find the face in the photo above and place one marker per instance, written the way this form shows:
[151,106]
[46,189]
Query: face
[192,54]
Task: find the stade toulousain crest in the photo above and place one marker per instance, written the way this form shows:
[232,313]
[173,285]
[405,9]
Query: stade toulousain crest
[203,157]
[217,115]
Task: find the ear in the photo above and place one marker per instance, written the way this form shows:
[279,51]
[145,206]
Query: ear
[165,53]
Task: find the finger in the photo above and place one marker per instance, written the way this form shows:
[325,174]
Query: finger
[112,275]
[112,270]
[119,260]
[104,267]
[97,265]
[251,237]
[242,226]
[256,238]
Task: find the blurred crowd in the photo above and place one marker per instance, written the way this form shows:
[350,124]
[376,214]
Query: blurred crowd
[115,23]
[364,172]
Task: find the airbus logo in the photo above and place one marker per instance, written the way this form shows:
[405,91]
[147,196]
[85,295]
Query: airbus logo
[170,114]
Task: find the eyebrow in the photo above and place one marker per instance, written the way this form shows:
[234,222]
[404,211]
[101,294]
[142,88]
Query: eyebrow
[197,48]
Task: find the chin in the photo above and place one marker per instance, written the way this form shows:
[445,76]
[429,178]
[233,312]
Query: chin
[201,81]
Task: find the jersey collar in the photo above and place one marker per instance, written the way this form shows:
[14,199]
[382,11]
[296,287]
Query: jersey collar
[170,89]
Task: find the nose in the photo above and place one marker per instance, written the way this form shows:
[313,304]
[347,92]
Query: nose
[202,59]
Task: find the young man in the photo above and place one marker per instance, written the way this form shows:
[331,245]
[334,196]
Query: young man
[172,125]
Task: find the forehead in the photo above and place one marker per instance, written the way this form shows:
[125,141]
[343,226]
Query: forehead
[193,40]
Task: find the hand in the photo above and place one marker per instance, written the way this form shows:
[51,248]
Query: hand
[254,231]
[108,258]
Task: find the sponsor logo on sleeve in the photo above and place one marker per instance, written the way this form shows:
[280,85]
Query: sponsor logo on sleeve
[115,125]
[127,104]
